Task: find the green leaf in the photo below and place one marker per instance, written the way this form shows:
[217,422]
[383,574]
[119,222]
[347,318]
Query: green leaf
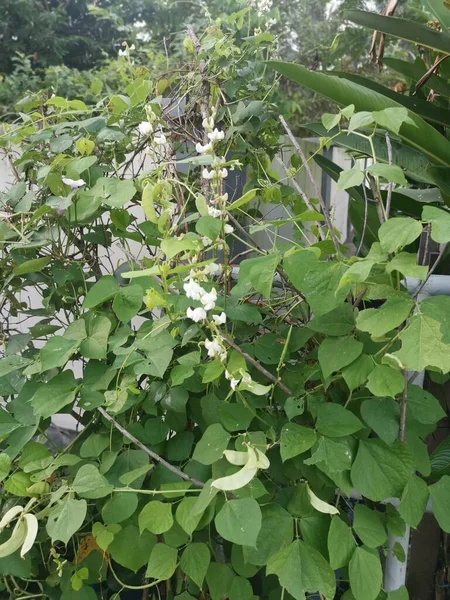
[156,517]
[333,420]
[94,445]
[385,381]
[382,415]
[440,498]
[330,121]
[245,199]
[337,322]
[414,501]
[211,445]
[89,483]
[209,227]
[358,371]
[186,516]
[380,471]
[406,30]
[7,423]
[195,562]
[378,321]
[119,508]
[350,178]
[391,119]
[296,439]
[239,521]
[162,563]
[423,406]
[57,352]
[440,457]
[32,266]
[406,263]
[420,135]
[301,570]
[219,579]
[399,594]
[104,289]
[65,519]
[173,246]
[96,344]
[5,465]
[360,120]
[51,397]
[114,192]
[336,353]
[398,232]
[336,454]
[341,543]
[128,302]
[276,533]
[422,345]
[440,223]
[442,14]
[258,273]
[130,549]
[365,575]
[368,526]
[12,363]
[358,272]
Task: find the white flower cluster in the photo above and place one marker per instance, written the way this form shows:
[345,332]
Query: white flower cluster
[127,49]
[216,349]
[235,381]
[195,291]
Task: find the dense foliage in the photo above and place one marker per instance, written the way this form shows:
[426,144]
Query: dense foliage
[232,400]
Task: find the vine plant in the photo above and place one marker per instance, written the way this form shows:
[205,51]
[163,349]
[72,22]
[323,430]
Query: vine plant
[226,416]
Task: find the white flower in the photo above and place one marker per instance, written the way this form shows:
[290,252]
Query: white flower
[203,149]
[73,183]
[264,6]
[132,47]
[145,128]
[214,212]
[206,241]
[160,139]
[122,52]
[196,314]
[215,349]
[208,299]
[270,23]
[193,290]
[233,381]
[216,135]
[208,124]
[228,228]
[220,319]
[213,269]
[207,174]
[223,173]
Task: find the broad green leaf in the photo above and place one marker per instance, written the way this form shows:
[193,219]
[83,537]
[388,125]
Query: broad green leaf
[113,192]
[96,344]
[239,521]
[219,579]
[360,120]
[333,420]
[440,499]
[130,549]
[382,415]
[365,575]
[128,302]
[391,119]
[156,517]
[391,173]
[302,570]
[414,501]
[341,543]
[119,508]
[12,363]
[245,199]
[32,266]
[422,345]
[330,121]
[94,445]
[440,457]
[350,178]
[258,273]
[399,594]
[337,322]
[57,351]
[51,397]
[442,14]
[276,533]
[335,453]
[380,471]
[420,134]
[406,263]
[104,289]
[162,563]
[368,526]
[336,353]
[7,423]
[398,232]
[185,515]
[295,439]
[378,321]
[209,227]
[5,465]
[385,381]
[65,519]
[195,562]
[358,272]
[210,447]
[356,373]
[173,246]
[89,483]
[440,223]
[423,406]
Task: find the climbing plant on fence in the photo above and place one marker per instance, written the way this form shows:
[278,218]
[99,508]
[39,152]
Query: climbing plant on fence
[225,415]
